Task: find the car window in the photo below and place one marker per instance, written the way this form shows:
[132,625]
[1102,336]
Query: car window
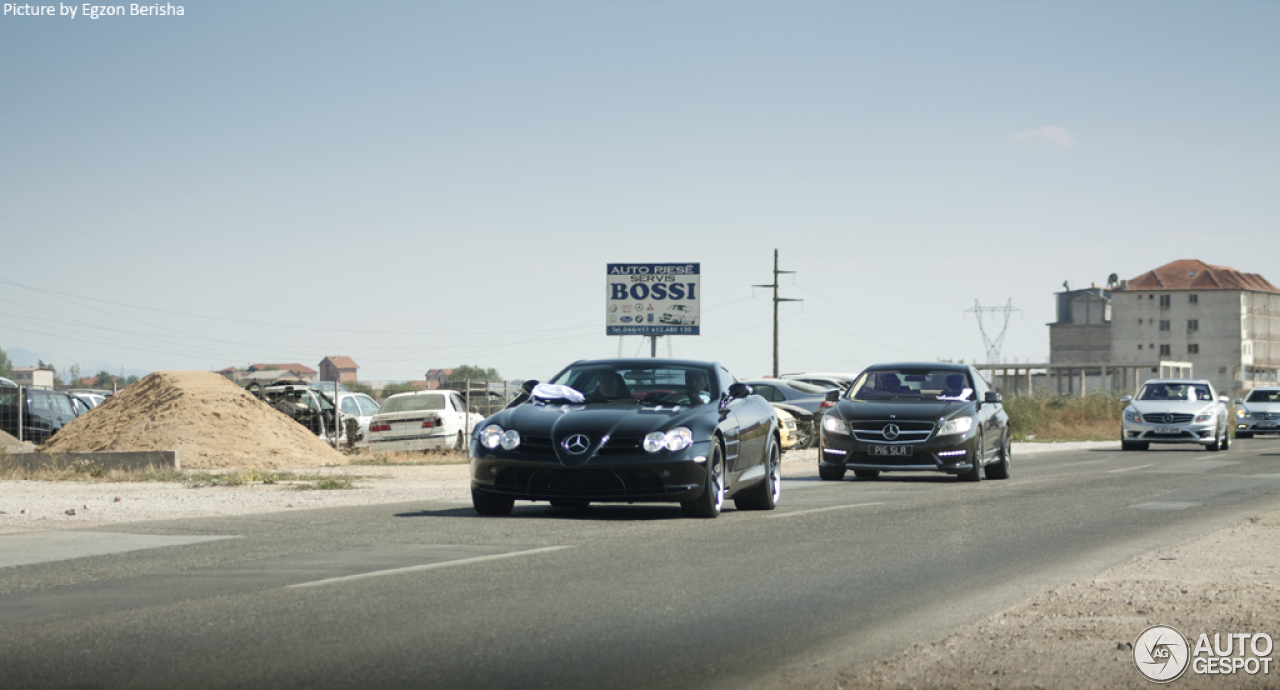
[61,404]
[42,402]
[413,403]
[458,403]
[912,385]
[367,405]
[1259,396]
[350,406]
[1171,391]
[768,392]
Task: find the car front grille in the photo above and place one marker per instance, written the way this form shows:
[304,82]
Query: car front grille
[1266,415]
[1167,418]
[873,431]
[544,446]
[585,482]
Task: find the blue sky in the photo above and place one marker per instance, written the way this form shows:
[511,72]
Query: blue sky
[426,184]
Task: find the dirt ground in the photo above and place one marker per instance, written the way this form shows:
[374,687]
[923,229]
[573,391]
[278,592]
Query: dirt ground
[1075,637]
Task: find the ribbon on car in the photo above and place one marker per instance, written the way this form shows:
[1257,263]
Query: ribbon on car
[555,391]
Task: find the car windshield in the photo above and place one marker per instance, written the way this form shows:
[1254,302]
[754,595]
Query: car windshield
[1175,391]
[666,384]
[912,384]
[1264,396]
[413,403]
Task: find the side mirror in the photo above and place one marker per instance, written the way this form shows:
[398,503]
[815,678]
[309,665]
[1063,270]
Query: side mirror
[1126,398]
[1239,401]
[833,395]
[991,397]
[527,386]
[1224,400]
[740,390]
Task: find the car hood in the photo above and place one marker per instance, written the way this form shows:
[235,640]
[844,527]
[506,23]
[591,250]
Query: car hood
[596,421]
[1261,406]
[931,410]
[1177,406]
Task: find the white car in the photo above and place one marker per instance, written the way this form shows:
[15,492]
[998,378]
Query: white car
[363,408]
[1259,413]
[425,420]
[1175,411]
[678,314]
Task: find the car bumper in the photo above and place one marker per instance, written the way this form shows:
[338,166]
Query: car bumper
[440,441]
[1202,433]
[619,478]
[1254,426]
[952,454]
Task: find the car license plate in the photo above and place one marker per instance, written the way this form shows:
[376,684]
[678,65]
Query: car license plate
[895,451]
[1168,430]
[1266,425]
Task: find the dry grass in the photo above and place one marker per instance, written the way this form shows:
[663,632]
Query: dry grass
[431,457]
[1094,417]
[87,472]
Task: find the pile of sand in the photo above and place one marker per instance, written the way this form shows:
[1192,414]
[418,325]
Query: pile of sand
[7,440]
[209,420]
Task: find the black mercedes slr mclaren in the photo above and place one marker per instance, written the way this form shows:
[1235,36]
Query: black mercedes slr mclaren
[630,431]
[916,417]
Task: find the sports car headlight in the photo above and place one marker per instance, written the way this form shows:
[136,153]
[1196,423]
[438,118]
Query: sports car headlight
[1132,415]
[677,439]
[835,425]
[956,425]
[510,439]
[491,436]
[1207,416]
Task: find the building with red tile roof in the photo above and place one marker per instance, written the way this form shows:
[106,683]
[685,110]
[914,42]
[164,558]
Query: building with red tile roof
[338,368]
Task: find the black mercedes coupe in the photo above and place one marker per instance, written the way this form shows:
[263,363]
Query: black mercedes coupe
[922,417]
[630,431]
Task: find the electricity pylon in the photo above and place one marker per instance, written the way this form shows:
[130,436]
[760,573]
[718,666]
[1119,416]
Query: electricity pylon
[993,345]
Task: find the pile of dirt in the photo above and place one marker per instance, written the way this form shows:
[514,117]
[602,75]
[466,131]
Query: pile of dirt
[209,420]
[7,440]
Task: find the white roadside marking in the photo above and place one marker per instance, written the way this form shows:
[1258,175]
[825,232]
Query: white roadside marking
[1130,469]
[428,566]
[820,510]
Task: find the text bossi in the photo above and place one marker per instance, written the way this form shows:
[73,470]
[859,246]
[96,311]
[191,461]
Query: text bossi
[652,299]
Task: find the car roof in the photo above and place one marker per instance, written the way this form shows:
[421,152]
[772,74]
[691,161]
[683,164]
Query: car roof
[1178,381]
[946,366]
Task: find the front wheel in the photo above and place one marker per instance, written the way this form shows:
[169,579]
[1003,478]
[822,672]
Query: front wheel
[831,473]
[765,495]
[488,504]
[708,505]
[975,474]
[805,435]
[1000,468]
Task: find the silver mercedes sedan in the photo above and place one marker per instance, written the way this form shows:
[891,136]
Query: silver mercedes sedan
[1176,411]
[1259,412]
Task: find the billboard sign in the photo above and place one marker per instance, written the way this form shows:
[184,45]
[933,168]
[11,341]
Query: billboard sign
[652,299]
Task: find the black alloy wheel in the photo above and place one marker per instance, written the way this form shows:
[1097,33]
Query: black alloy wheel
[765,495]
[1000,468]
[708,505]
[805,435]
[831,473]
[975,474]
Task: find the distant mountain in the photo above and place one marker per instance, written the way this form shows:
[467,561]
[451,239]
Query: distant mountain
[27,358]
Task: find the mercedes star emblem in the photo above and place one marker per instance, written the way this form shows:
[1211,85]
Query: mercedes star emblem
[890,431]
[577,444]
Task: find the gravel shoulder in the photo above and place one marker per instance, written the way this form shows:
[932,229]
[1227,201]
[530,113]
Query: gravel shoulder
[1070,638]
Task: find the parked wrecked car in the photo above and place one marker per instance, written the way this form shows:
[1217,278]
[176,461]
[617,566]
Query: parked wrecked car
[42,412]
[421,421]
[1176,411]
[309,407]
[631,431]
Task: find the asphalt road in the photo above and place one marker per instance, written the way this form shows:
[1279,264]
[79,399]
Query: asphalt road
[432,596]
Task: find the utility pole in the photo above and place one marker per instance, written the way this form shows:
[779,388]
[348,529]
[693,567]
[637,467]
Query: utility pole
[776,299]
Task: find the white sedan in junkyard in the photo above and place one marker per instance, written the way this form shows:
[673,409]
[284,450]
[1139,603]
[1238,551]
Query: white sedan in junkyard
[1259,412]
[1176,411]
[425,420]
